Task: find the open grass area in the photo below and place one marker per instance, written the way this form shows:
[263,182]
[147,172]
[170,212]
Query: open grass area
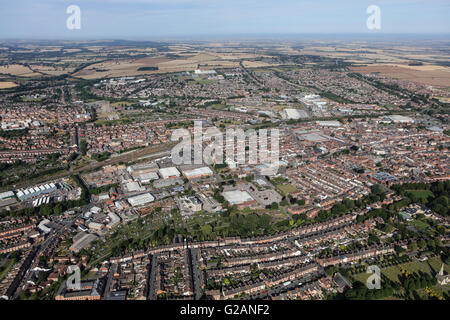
[437,290]
[422,194]
[420,224]
[218,106]
[436,262]
[90,275]
[286,188]
[393,272]
[362,277]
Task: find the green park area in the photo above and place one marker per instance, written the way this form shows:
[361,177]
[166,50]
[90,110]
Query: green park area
[286,189]
[393,272]
[283,185]
[412,278]
[420,194]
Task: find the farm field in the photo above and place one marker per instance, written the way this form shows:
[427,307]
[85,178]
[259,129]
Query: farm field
[439,77]
[7,84]
[17,70]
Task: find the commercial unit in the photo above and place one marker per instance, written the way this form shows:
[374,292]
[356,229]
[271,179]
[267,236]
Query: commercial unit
[239,198]
[141,199]
[171,172]
[295,114]
[30,193]
[6,195]
[198,173]
[400,119]
[147,177]
[333,123]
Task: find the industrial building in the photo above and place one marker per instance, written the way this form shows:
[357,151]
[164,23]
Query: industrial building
[169,173]
[400,119]
[239,198]
[134,187]
[30,193]
[333,123]
[7,195]
[141,199]
[147,177]
[198,173]
[295,114]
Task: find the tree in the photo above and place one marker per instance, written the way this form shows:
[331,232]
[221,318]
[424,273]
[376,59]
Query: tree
[412,246]
[206,230]
[422,244]
[57,209]
[83,147]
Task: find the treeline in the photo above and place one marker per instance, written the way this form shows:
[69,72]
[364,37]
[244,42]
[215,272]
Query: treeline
[335,97]
[102,189]
[361,292]
[436,201]
[148,69]
[101,156]
[13,133]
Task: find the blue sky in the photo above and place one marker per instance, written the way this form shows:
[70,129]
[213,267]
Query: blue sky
[46,19]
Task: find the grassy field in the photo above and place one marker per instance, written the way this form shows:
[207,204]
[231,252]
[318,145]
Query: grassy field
[423,194]
[394,271]
[218,106]
[361,277]
[432,265]
[436,262]
[420,224]
[286,189]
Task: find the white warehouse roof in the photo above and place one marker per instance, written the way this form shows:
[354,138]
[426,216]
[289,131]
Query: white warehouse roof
[170,172]
[203,171]
[237,196]
[141,199]
[7,194]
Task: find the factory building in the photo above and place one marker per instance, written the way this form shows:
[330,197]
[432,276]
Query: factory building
[141,199]
[169,173]
[198,173]
[239,198]
[30,193]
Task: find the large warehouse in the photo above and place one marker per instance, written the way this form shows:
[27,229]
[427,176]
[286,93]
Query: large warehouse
[239,198]
[198,173]
[141,199]
[171,172]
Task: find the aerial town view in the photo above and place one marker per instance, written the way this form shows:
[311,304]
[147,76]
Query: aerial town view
[246,168]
